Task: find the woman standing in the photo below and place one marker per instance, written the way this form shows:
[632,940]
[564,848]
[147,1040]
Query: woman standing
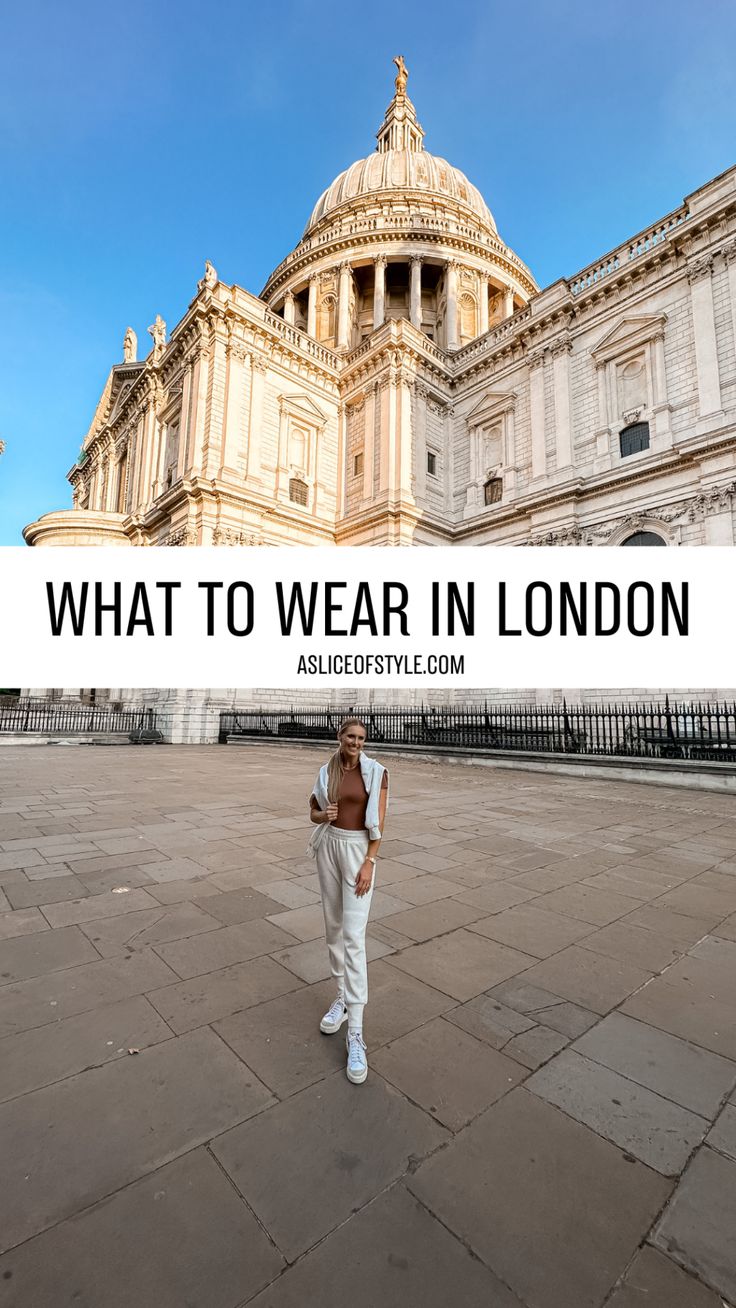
[348,805]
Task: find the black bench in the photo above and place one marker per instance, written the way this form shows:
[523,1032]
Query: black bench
[146,736]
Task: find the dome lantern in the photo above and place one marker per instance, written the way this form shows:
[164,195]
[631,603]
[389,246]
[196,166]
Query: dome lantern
[400,129]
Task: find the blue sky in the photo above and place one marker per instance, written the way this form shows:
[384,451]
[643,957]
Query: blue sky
[137,140]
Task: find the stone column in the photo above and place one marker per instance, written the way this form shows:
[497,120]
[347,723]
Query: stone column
[730,255]
[561,375]
[136,479]
[369,435]
[415,301]
[312,307]
[343,308]
[704,332]
[379,291]
[536,406]
[387,429]
[259,369]
[508,303]
[404,437]
[289,308]
[342,460]
[483,302]
[420,441]
[182,458]
[451,332]
[200,382]
[155,438]
[234,409]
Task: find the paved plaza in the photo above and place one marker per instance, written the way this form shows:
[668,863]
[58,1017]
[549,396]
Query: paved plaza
[549,1119]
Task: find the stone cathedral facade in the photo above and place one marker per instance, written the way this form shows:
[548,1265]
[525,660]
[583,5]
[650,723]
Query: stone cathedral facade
[401,379]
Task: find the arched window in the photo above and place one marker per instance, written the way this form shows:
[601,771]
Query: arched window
[634,438]
[644,538]
[298,490]
[298,447]
[327,318]
[467,317]
[493,491]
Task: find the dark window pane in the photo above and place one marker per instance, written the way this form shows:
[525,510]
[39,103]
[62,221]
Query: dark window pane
[298,491]
[493,490]
[643,538]
[431,463]
[634,438]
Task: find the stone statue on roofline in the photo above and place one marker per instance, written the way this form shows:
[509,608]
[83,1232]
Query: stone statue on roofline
[209,281]
[130,346]
[402,76]
[158,331]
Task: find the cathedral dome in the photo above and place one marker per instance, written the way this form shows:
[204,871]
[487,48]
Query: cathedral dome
[399,234]
[413,170]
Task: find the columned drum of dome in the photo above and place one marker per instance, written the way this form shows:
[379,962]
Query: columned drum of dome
[400,234]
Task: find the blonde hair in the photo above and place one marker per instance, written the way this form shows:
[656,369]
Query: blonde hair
[335,767]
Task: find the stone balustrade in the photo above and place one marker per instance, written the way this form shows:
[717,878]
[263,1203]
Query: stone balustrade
[620,258]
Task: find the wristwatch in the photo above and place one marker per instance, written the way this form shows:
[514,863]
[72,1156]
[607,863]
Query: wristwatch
[372,860]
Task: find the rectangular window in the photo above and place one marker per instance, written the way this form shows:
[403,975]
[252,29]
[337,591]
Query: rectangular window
[634,438]
[431,463]
[358,465]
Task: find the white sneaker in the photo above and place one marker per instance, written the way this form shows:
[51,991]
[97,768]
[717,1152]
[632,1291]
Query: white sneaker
[357,1068]
[334,1017]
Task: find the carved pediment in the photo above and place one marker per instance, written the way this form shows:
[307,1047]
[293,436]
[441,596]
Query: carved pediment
[627,334]
[303,406]
[490,407]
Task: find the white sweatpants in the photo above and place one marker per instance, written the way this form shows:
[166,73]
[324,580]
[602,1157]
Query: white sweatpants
[340,857]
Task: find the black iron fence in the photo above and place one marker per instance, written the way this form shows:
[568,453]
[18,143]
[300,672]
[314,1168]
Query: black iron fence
[68,717]
[685,731]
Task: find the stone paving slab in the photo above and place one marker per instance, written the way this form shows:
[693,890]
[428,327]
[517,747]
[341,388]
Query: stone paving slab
[697,1229]
[21,922]
[107,904]
[78,990]
[520,1180]
[489,1020]
[29,894]
[180,1236]
[597,907]
[326,1127]
[536,1047]
[653,1129]
[281,1040]
[203,999]
[461,964]
[653,1281]
[43,952]
[243,905]
[532,929]
[392,1253]
[634,945]
[38,1057]
[701,1016]
[689,1076]
[586,978]
[114,936]
[723,1134]
[132,1116]
[309,962]
[447,1072]
[213,950]
[434,919]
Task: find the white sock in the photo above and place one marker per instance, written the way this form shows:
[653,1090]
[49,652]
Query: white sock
[355,1019]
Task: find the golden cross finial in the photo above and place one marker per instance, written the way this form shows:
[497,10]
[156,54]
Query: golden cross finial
[402,76]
